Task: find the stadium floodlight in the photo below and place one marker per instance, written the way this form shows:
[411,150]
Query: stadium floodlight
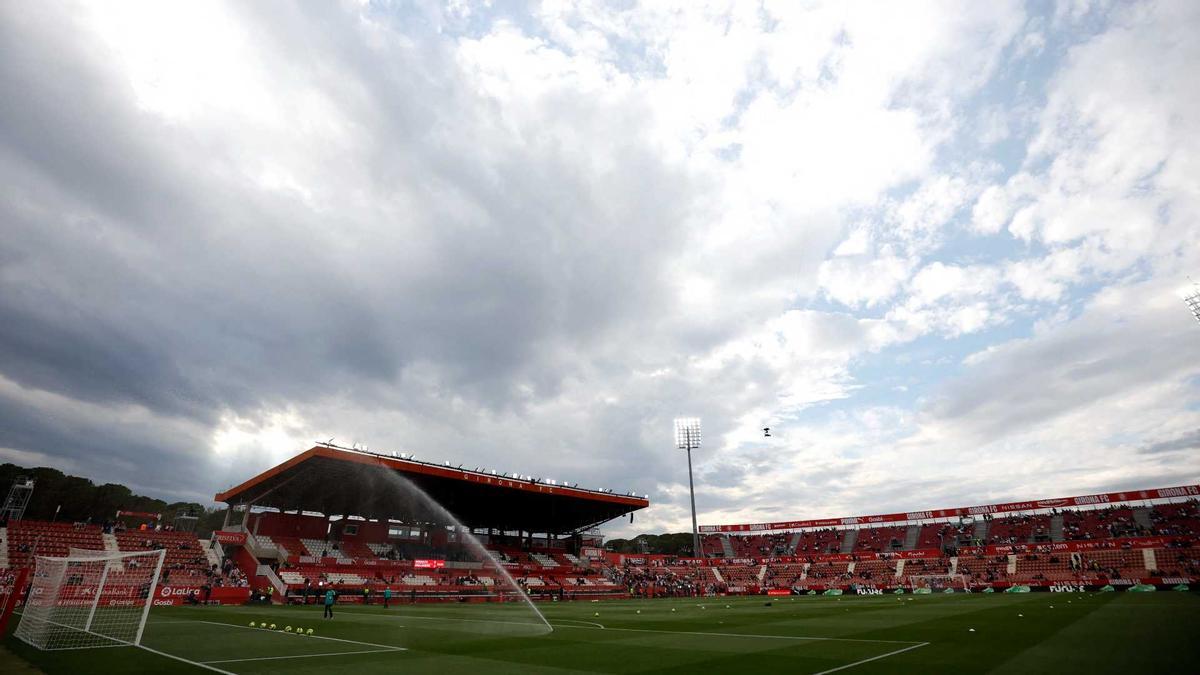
[1193,300]
[687,437]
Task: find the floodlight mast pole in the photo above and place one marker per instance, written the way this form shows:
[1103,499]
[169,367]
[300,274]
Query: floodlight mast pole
[687,437]
[1193,300]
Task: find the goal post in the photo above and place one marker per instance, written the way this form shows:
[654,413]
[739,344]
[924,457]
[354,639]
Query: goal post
[90,599]
[938,583]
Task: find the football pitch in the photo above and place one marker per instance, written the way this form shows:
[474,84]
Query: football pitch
[962,633]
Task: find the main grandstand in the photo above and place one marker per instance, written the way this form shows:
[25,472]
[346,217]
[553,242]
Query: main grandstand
[336,517]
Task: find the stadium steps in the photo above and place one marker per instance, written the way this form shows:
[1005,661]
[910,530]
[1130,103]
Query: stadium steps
[1012,565]
[726,546]
[1141,516]
[1150,559]
[981,530]
[762,574]
[717,573]
[3,548]
[849,542]
[210,553]
[911,537]
[900,568]
[953,565]
[1056,527]
[794,543]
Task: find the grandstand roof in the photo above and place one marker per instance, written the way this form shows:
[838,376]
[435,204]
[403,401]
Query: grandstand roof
[342,481]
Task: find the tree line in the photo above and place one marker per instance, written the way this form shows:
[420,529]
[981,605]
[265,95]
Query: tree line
[63,497]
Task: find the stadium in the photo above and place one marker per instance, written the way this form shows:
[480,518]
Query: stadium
[379,336]
[518,580]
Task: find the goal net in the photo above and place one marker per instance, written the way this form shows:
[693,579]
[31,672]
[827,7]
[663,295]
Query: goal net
[90,599]
[938,583]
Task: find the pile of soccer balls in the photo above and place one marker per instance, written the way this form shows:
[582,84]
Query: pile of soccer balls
[287,629]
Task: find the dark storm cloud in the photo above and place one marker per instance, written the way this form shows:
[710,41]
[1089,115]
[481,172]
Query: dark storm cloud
[1186,441]
[141,267]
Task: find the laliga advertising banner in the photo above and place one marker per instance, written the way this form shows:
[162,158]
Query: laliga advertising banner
[1010,507]
[221,595]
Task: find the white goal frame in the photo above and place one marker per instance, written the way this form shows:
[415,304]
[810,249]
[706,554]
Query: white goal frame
[938,583]
[90,599]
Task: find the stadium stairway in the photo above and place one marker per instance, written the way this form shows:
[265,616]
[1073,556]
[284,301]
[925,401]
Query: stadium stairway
[1150,559]
[911,536]
[849,542]
[1056,527]
[3,548]
[211,552]
[794,542]
[900,568]
[981,530]
[726,546]
[717,573]
[1141,516]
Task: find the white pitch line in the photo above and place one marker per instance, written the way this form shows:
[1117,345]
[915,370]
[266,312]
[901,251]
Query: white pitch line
[873,658]
[318,637]
[641,630]
[189,661]
[308,656]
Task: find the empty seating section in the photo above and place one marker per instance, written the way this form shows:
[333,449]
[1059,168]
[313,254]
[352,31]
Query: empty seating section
[740,575]
[1176,519]
[760,545]
[543,560]
[935,535]
[880,539]
[319,548]
[27,538]
[784,575]
[185,559]
[288,546]
[380,550]
[828,571]
[875,571]
[1178,561]
[1100,524]
[983,568]
[819,541]
[1018,529]
[921,566]
[710,544]
[358,552]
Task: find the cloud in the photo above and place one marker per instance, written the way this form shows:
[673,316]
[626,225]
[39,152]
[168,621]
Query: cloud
[528,239]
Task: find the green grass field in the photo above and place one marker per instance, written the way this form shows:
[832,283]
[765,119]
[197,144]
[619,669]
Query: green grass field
[1036,632]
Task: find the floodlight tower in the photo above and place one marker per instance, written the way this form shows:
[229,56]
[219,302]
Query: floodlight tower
[1193,300]
[687,437]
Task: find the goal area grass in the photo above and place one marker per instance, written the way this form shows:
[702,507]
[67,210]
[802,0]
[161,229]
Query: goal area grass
[938,633]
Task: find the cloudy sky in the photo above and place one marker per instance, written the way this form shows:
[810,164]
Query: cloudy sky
[938,248]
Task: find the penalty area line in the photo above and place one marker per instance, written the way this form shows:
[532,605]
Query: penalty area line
[596,626]
[309,656]
[873,658]
[313,637]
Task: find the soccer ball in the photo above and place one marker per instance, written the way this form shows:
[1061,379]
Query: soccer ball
[309,631]
[252,624]
[287,629]
[299,630]
[272,626]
